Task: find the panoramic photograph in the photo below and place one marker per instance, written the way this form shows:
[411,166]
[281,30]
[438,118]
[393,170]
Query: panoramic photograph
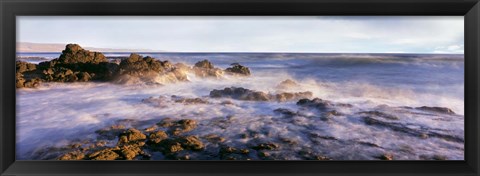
[240,88]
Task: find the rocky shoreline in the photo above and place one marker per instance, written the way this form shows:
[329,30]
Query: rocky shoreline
[178,139]
[181,138]
[76,64]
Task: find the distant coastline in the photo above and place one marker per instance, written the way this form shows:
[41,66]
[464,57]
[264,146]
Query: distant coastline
[29,47]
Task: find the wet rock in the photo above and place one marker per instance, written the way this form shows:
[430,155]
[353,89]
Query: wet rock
[288,141]
[129,152]
[321,104]
[293,96]
[171,146]
[264,154]
[106,154]
[188,101]
[368,144]
[238,69]
[31,83]
[183,157]
[327,116]
[84,76]
[24,66]
[27,76]
[111,132]
[84,65]
[334,113]
[159,102]
[157,137]
[287,84]
[240,93]
[266,146]
[309,155]
[227,102]
[166,122]
[150,129]
[379,114]
[139,69]
[204,64]
[206,69]
[191,143]
[386,156]
[441,110]
[137,65]
[227,150]
[416,132]
[131,135]
[285,112]
[213,138]
[231,153]
[73,54]
[75,155]
[182,126]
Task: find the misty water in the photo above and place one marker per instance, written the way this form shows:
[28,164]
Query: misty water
[57,114]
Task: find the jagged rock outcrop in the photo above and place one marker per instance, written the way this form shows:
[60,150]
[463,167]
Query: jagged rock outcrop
[76,64]
[240,93]
[205,68]
[238,69]
[74,54]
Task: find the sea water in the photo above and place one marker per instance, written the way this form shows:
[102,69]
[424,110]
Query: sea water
[55,114]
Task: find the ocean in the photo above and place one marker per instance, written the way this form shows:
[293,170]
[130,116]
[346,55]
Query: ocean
[57,114]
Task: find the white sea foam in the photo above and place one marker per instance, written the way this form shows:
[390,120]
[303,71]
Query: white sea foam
[57,113]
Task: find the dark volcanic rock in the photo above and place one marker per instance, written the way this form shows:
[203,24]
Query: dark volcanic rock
[157,137]
[206,69]
[436,109]
[183,126]
[238,70]
[106,154]
[204,64]
[285,112]
[27,75]
[178,127]
[76,59]
[286,96]
[110,133]
[266,146]
[137,68]
[321,104]
[251,95]
[213,138]
[231,153]
[75,155]
[137,65]
[24,66]
[132,135]
[379,114]
[240,94]
[417,132]
[77,64]
[73,54]
[129,152]
[191,143]
[188,101]
[386,156]
[172,146]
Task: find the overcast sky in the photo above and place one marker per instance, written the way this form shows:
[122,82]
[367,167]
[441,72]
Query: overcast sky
[251,34]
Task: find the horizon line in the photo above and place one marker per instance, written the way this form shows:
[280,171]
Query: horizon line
[267,52]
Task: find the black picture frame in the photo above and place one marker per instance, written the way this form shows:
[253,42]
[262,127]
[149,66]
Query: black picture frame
[9,9]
